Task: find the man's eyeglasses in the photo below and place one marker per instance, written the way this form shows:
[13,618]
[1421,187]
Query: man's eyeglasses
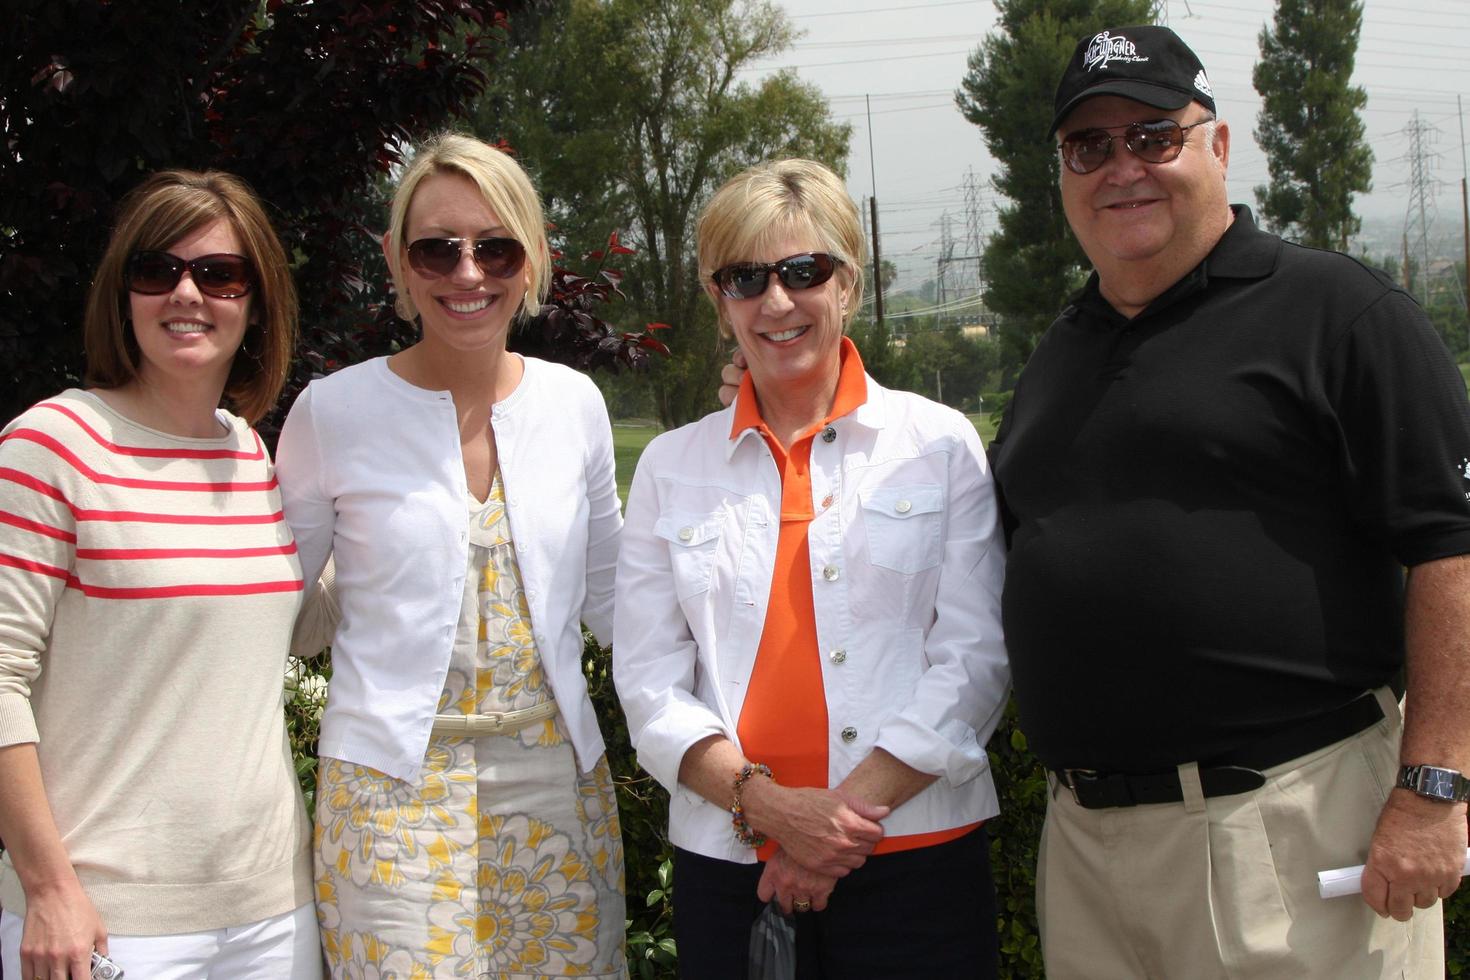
[1156,141]
[499,258]
[222,275]
[747,280]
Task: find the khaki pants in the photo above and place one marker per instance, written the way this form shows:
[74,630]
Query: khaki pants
[1226,888]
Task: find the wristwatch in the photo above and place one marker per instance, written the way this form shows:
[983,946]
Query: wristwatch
[1436,783]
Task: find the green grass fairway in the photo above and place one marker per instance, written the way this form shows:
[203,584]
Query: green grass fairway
[629,438]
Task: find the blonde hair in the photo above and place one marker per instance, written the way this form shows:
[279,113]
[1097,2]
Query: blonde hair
[166,207]
[505,187]
[775,198]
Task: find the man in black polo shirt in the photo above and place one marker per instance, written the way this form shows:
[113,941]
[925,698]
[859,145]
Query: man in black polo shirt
[1215,466]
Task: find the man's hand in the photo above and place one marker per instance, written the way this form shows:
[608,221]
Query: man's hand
[1416,855]
[730,377]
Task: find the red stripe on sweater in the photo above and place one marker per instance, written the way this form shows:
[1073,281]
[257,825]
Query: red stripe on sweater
[139,517]
[61,450]
[139,554]
[36,527]
[182,591]
[156,453]
[31,483]
[125,516]
[25,564]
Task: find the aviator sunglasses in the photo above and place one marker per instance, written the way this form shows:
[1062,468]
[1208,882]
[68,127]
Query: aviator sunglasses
[499,258]
[746,280]
[1156,141]
[222,275]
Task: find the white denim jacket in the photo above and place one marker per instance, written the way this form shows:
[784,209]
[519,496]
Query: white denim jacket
[370,471]
[907,563]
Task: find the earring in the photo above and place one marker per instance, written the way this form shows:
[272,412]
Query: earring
[253,333]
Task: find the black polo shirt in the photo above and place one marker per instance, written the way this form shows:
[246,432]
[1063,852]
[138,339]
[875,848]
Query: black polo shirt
[1208,506]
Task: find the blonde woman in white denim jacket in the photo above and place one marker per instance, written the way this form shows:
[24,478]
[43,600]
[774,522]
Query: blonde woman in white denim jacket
[878,855]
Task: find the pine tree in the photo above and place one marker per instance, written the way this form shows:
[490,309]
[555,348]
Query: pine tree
[1032,262]
[1309,127]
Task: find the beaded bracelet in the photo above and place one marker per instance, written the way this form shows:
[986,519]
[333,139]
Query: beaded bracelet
[744,832]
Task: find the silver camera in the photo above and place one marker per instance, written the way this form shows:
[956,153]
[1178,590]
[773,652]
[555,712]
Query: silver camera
[103,968]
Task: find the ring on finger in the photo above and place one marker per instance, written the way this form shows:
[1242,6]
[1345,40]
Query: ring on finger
[801,905]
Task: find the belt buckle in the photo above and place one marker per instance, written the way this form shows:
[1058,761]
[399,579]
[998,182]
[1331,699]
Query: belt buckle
[1069,780]
[496,720]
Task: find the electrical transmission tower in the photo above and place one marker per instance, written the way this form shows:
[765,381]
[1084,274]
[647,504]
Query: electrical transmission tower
[1420,214]
[1160,12]
[974,229]
[975,243]
[946,286]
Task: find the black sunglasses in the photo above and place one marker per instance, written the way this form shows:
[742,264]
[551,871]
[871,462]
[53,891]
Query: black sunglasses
[746,280]
[222,275]
[500,258]
[1156,141]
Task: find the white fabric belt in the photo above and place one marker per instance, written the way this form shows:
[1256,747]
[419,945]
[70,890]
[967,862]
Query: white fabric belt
[495,723]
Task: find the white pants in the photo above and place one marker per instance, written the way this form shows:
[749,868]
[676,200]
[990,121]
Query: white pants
[283,947]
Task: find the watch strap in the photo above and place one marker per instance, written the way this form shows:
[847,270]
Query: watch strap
[1435,783]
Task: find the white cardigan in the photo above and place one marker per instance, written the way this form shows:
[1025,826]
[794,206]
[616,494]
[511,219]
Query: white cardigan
[371,472]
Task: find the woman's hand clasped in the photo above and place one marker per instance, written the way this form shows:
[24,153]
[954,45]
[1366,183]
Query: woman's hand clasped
[792,885]
[826,832]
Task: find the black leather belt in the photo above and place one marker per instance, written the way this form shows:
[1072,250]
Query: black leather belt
[1238,771]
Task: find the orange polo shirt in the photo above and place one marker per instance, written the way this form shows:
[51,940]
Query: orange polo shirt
[783,722]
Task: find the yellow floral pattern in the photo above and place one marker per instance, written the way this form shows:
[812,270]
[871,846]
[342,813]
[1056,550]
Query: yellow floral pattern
[503,860]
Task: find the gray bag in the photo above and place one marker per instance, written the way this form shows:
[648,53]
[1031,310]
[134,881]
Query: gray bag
[772,946]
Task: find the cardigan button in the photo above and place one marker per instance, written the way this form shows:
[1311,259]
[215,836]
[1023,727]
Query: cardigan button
[849,734]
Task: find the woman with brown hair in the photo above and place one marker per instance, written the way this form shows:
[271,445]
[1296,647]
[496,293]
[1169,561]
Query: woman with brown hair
[148,586]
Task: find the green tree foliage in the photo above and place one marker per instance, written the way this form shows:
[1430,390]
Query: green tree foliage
[309,102]
[942,363]
[1032,262]
[631,113]
[1309,126]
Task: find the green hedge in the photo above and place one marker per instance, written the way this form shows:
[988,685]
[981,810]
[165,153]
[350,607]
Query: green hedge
[643,807]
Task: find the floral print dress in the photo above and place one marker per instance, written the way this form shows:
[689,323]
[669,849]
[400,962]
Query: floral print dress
[504,860]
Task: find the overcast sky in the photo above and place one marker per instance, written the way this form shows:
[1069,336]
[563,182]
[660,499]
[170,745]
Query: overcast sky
[909,57]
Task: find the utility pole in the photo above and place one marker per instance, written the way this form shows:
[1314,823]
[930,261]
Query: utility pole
[877,266]
[873,204]
[1464,203]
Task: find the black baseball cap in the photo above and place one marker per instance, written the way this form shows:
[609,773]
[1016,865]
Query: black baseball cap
[1147,64]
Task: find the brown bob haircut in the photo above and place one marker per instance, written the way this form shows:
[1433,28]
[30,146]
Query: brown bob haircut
[166,207]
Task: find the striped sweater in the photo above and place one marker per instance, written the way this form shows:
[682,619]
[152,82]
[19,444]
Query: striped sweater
[148,584]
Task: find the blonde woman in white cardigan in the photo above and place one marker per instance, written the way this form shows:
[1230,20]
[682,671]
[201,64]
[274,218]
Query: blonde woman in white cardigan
[466,822]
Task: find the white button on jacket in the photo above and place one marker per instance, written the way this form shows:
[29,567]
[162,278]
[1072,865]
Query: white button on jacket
[907,565]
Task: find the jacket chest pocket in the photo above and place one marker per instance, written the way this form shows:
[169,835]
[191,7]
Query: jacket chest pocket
[903,525]
[692,539]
